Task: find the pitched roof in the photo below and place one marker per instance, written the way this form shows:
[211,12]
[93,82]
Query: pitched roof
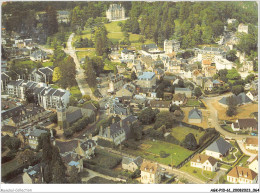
[127,160]
[37,132]
[89,106]
[160,104]
[46,70]
[146,76]
[15,82]
[220,146]
[183,89]
[178,97]
[67,146]
[253,141]
[195,114]
[73,116]
[242,172]
[245,123]
[4,76]
[201,158]
[150,167]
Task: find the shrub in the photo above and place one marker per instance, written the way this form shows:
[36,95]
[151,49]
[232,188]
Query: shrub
[105,143]
[163,154]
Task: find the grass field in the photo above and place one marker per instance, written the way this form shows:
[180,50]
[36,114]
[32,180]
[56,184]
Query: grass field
[75,92]
[225,166]
[197,172]
[193,103]
[151,150]
[90,52]
[180,133]
[45,64]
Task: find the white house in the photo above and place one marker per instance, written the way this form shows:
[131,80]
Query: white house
[178,99]
[251,144]
[218,149]
[204,162]
[150,173]
[253,95]
[242,175]
[254,165]
[222,63]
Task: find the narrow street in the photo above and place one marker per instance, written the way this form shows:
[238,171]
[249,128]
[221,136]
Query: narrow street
[80,75]
[214,118]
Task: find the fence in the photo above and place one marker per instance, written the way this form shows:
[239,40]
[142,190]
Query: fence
[198,151]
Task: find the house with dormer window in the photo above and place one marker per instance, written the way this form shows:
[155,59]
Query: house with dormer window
[150,173]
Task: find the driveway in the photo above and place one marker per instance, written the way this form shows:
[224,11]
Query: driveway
[80,74]
[243,149]
[217,177]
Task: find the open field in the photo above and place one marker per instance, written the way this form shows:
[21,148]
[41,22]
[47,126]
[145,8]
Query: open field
[151,150]
[204,123]
[180,133]
[244,111]
[197,172]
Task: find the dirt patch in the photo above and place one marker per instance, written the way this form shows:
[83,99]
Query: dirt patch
[118,167]
[244,111]
[145,146]
[205,116]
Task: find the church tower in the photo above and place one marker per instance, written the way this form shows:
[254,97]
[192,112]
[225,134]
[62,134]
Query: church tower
[61,116]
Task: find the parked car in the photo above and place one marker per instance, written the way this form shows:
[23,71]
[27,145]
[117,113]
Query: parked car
[253,134]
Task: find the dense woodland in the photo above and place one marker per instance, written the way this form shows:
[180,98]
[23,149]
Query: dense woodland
[192,23]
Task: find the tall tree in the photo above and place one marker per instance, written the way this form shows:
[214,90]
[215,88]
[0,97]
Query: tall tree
[52,22]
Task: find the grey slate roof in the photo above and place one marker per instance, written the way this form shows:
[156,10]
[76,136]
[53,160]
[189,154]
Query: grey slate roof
[37,132]
[220,146]
[16,111]
[242,98]
[127,160]
[46,70]
[39,53]
[4,77]
[195,114]
[74,116]
[15,82]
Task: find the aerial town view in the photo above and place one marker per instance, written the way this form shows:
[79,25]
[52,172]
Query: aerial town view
[129,92]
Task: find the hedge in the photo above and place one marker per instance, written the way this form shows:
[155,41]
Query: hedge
[105,143]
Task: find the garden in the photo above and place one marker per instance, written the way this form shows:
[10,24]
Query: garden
[180,133]
[161,152]
[197,172]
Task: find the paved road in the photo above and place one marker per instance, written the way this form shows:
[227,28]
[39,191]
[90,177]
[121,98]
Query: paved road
[243,149]
[80,76]
[214,118]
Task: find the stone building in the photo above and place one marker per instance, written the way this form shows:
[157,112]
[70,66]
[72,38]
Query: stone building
[171,46]
[115,12]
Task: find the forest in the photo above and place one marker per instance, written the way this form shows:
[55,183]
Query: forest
[192,23]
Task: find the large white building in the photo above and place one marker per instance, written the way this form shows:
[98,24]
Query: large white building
[150,173]
[115,12]
[171,46]
[146,80]
[222,63]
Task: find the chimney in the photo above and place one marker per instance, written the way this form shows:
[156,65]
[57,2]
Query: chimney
[113,120]
[42,173]
[121,123]
[78,143]
[90,136]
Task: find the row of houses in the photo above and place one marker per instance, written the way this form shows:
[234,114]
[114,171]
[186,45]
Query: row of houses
[45,96]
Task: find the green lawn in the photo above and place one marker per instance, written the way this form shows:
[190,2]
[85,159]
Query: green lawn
[197,172]
[113,26]
[75,92]
[9,166]
[151,150]
[243,161]
[225,166]
[54,86]
[180,133]
[90,52]
[193,102]
[45,64]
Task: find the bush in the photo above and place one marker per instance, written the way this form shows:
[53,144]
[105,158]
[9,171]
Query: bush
[163,154]
[9,156]
[172,139]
